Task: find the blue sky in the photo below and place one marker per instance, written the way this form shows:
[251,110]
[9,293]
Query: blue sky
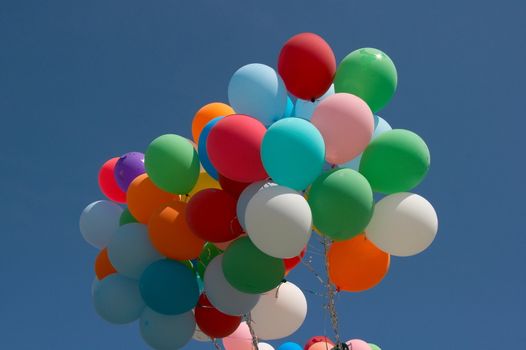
[82,81]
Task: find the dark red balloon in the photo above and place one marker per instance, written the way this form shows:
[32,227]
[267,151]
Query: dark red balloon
[108,183]
[291,263]
[213,322]
[211,215]
[317,339]
[307,65]
[233,187]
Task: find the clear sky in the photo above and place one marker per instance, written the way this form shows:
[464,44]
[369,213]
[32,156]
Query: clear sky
[83,81]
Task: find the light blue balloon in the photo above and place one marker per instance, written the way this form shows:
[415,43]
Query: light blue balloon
[304,108]
[169,287]
[117,299]
[290,346]
[258,91]
[201,148]
[98,222]
[289,110]
[293,153]
[167,332]
[246,196]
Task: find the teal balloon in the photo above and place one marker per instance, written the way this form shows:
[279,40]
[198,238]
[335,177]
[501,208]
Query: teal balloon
[167,332]
[290,346]
[201,148]
[304,109]
[258,91]
[293,153]
[289,110]
[117,299]
[169,287]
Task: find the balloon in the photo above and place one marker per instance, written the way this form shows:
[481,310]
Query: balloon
[206,114]
[293,153]
[374,346]
[257,90]
[130,251]
[240,339]
[170,234]
[246,196]
[144,198]
[318,339]
[249,270]
[307,65]
[224,245]
[280,312]
[322,346]
[213,322]
[167,332]
[291,263]
[357,344]
[369,74]
[265,346]
[208,252]
[396,161]
[203,153]
[342,203]
[222,295]
[290,346]
[126,218]
[200,336]
[211,215]
[169,287]
[289,109]
[108,184]
[234,188]
[233,147]
[98,221]
[203,182]
[103,266]
[356,264]
[403,224]
[128,167]
[346,124]
[278,221]
[172,164]
[117,299]
[304,108]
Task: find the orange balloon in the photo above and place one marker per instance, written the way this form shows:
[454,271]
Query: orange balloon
[144,198]
[357,264]
[206,114]
[103,266]
[170,234]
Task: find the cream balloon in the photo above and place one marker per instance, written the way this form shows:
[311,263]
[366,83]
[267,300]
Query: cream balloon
[200,336]
[265,346]
[280,312]
[278,221]
[403,224]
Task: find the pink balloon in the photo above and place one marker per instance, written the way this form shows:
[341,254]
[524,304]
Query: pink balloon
[357,344]
[240,339]
[346,124]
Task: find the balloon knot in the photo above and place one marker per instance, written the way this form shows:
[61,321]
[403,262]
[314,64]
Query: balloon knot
[313,100]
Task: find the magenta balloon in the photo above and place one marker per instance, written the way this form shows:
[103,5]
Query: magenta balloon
[358,344]
[240,339]
[346,124]
[128,167]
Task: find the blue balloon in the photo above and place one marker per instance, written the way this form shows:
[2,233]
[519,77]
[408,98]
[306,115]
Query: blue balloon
[290,346]
[293,153]
[289,110]
[167,332]
[201,148]
[169,287]
[304,109]
[258,91]
[117,299]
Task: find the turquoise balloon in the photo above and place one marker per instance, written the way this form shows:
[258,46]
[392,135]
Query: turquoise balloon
[293,153]
[169,287]
[304,109]
[289,110]
[201,148]
[290,346]
[258,91]
[117,299]
[167,332]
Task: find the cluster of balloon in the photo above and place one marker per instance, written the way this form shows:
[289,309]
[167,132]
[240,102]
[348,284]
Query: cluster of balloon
[213,226]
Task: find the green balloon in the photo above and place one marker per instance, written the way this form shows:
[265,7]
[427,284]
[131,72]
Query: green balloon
[172,164]
[374,346]
[249,270]
[342,203]
[395,161]
[126,218]
[369,74]
[209,252]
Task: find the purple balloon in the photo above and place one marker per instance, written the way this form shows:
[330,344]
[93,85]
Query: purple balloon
[128,167]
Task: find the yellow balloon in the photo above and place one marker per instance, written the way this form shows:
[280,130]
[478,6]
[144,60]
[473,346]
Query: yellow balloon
[204,181]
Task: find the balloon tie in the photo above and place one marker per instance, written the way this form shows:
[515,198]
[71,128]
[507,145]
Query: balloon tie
[331,291]
[255,341]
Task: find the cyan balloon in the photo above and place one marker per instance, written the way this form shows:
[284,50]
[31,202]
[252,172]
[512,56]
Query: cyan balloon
[293,153]
[304,109]
[167,332]
[290,346]
[258,91]
[289,110]
[117,299]
[201,148]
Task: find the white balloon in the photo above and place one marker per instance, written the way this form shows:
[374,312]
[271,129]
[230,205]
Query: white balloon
[167,332]
[280,312]
[98,221]
[130,250]
[265,346]
[246,196]
[278,221]
[200,336]
[222,295]
[403,224]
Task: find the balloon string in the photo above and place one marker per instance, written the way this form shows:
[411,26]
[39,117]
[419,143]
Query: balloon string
[216,344]
[331,291]
[248,318]
[309,267]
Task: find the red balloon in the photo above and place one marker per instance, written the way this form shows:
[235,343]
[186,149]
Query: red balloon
[317,339]
[234,145]
[213,322]
[233,187]
[211,215]
[307,65]
[291,263]
[108,184]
